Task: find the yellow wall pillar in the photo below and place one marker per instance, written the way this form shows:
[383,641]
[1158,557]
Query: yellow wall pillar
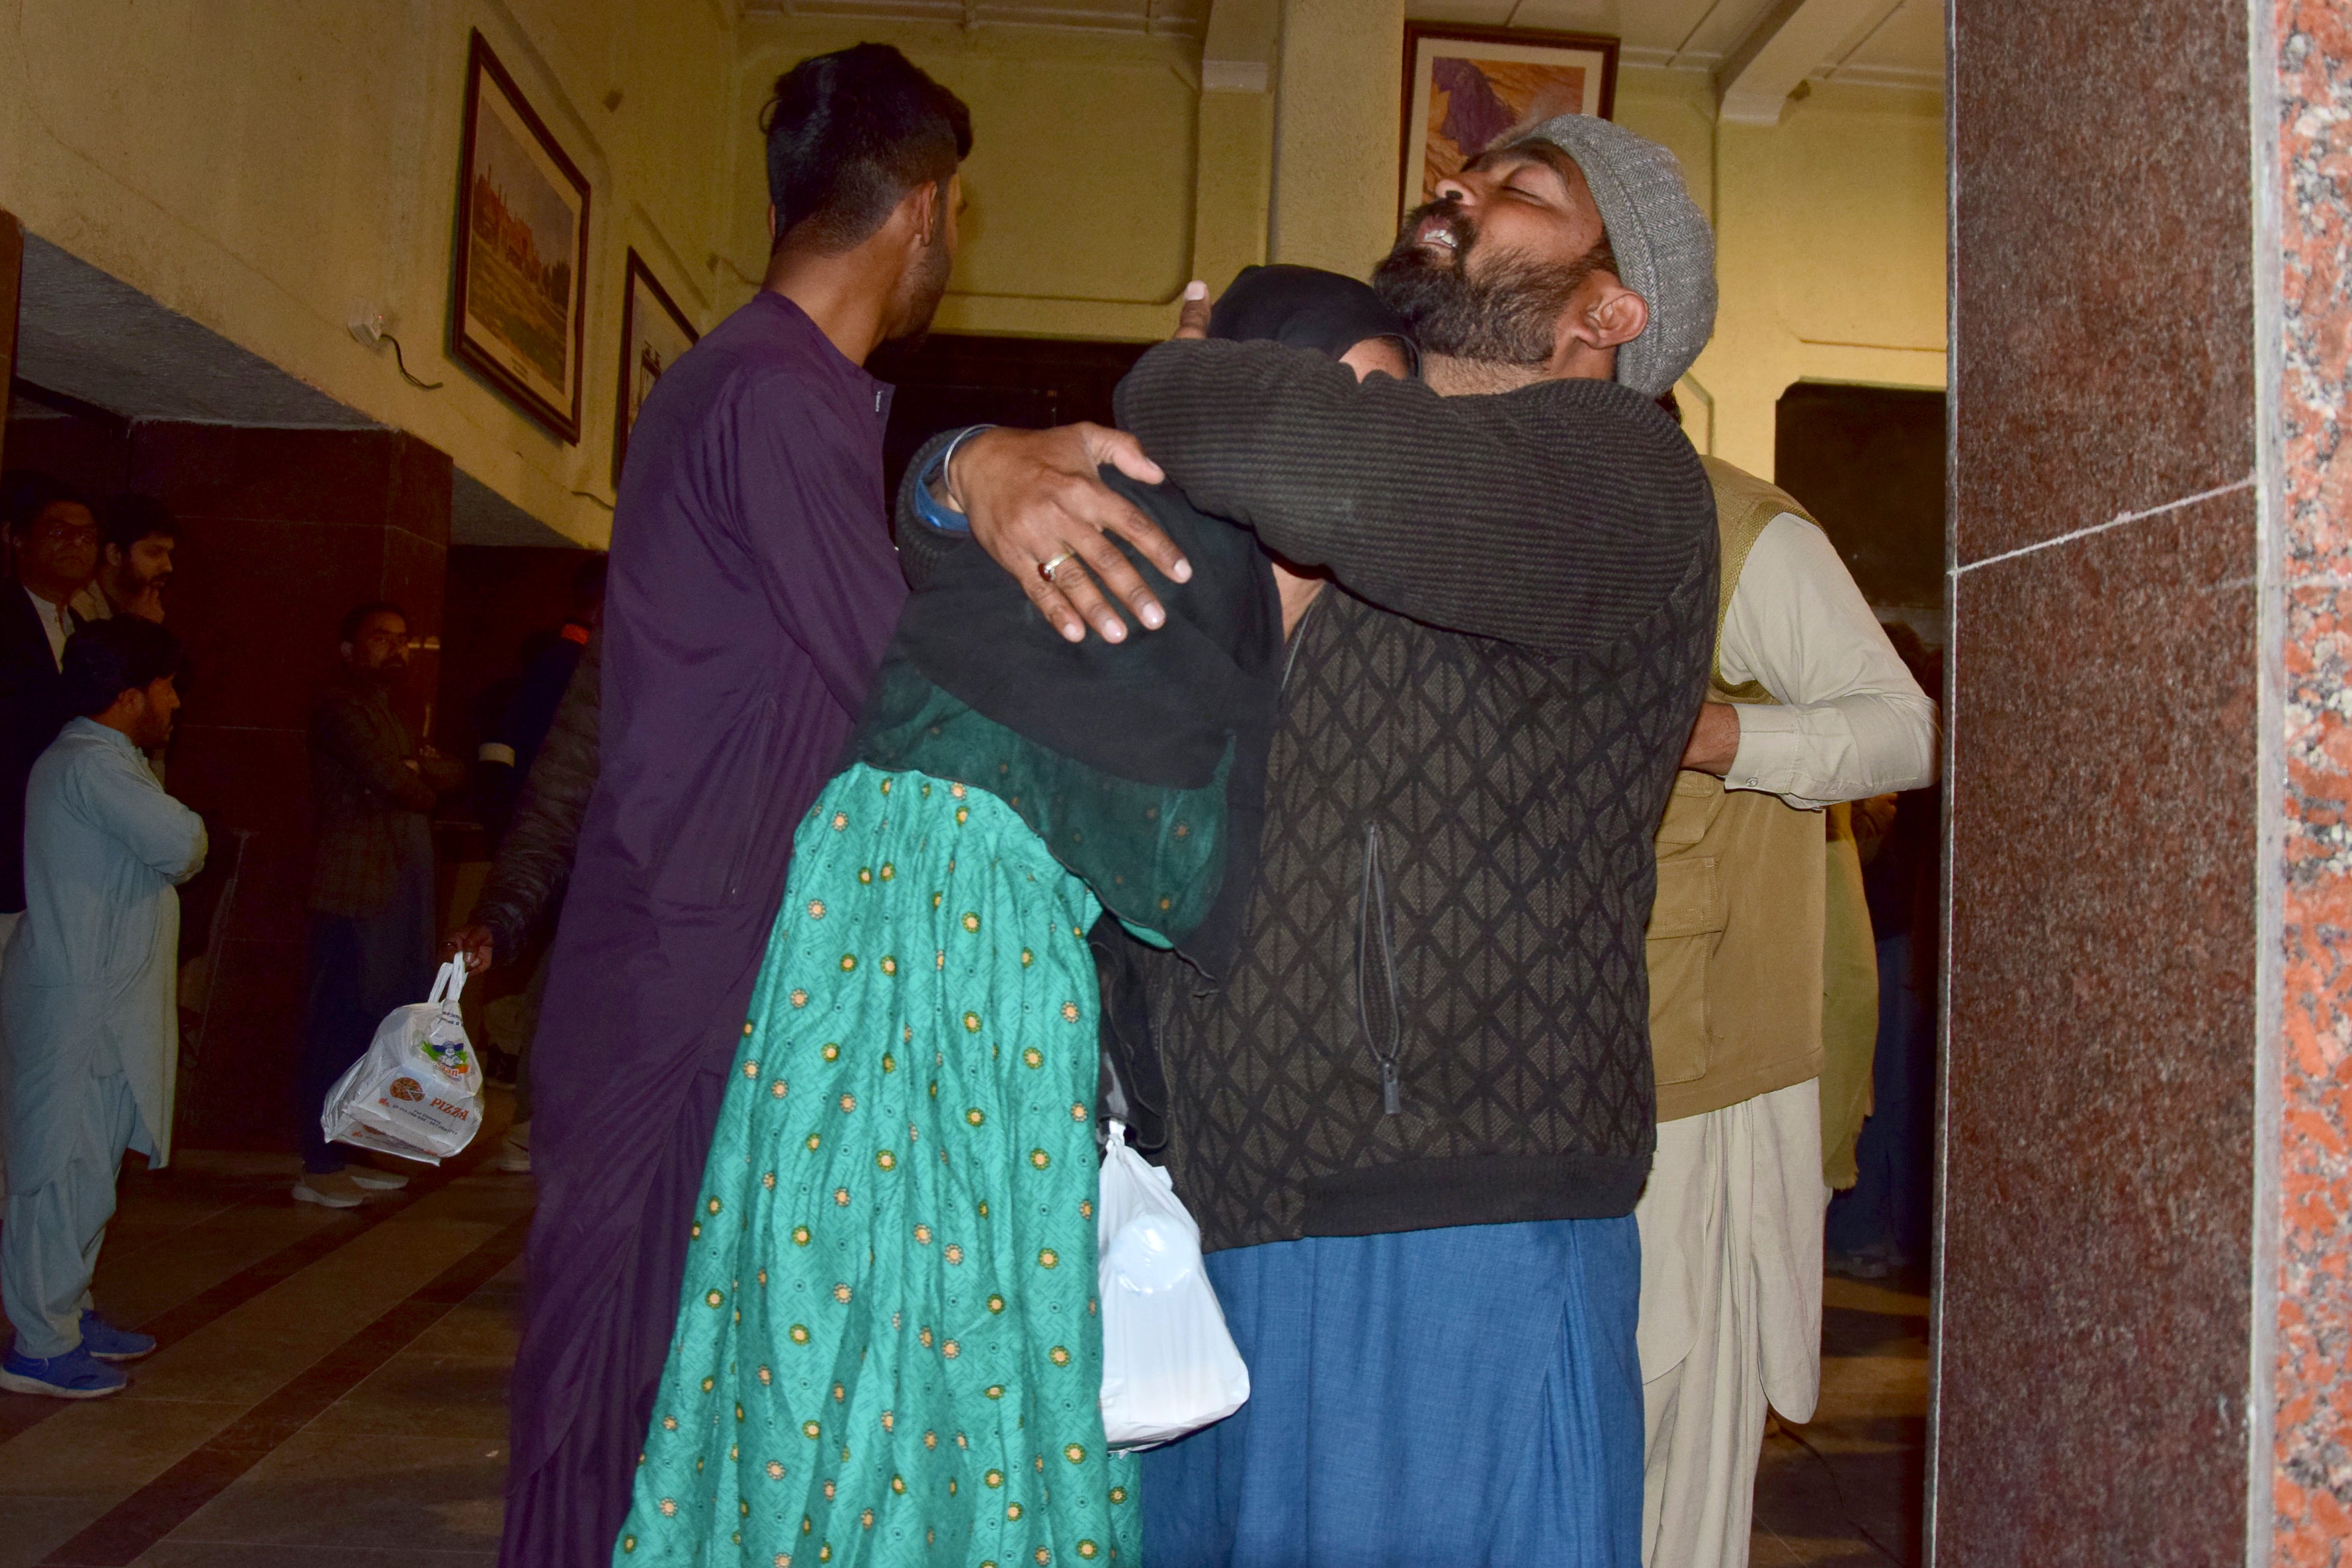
[1334,133]
[1232,181]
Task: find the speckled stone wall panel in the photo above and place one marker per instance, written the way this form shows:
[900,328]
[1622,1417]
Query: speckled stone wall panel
[2095,1265]
[2100,1088]
[2102,216]
[2312,1428]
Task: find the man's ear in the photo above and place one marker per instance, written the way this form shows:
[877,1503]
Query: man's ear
[922,207]
[772,226]
[112,554]
[1614,317]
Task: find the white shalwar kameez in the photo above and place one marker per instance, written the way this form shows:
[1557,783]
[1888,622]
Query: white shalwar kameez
[1731,1218]
[88,1016]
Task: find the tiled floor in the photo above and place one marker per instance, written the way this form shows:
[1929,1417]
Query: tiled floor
[1843,1490]
[332,1391]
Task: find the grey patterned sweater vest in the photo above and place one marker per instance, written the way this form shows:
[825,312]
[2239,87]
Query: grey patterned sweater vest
[1440,1015]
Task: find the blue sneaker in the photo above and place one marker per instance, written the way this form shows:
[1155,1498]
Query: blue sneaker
[107,1343]
[77,1375]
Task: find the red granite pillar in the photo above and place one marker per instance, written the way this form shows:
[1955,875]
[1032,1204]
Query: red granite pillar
[2144,1270]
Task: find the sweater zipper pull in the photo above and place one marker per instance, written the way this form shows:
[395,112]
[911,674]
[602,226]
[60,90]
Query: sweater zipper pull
[1389,1093]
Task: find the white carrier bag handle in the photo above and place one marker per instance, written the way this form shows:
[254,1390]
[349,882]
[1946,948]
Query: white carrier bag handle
[1169,1363]
[416,1092]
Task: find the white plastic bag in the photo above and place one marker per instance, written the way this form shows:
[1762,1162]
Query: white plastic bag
[1168,1364]
[418,1092]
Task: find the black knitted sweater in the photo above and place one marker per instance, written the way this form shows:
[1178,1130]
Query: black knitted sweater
[1440,1013]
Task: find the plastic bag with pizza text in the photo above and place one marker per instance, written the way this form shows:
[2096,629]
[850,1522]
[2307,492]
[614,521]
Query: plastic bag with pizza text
[418,1092]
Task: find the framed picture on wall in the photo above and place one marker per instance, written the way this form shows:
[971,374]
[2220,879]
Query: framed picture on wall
[654,333]
[521,259]
[1466,87]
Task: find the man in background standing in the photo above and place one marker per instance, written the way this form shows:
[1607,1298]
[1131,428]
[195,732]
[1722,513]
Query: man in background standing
[52,540]
[137,534]
[501,766]
[503,759]
[88,1008]
[372,894]
[1808,707]
[753,588]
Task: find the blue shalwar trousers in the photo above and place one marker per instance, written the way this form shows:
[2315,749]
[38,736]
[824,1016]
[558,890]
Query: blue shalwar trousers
[1466,1397]
[50,1237]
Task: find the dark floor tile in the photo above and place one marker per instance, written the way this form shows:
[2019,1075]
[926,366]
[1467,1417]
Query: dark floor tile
[32,1527]
[243,1554]
[102,1450]
[1846,1332]
[418,1395]
[362,1491]
[1860,1492]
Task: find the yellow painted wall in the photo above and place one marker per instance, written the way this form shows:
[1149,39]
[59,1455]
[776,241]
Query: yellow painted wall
[1336,116]
[1102,176]
[1829,246]
[1830,226]
[258,165]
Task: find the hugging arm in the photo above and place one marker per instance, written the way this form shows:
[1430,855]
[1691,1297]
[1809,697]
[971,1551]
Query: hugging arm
[1556,517]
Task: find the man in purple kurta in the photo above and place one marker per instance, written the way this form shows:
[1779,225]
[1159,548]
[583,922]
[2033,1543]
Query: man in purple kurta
[754,586]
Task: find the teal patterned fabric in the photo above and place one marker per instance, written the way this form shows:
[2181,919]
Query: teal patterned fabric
[888,1350]
[1156,855]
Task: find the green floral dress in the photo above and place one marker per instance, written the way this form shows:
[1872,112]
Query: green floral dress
[887,1350]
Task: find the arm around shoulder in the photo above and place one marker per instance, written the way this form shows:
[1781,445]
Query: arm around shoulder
[1558,516]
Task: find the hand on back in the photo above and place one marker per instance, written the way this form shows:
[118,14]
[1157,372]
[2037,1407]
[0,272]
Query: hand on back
[1039,507]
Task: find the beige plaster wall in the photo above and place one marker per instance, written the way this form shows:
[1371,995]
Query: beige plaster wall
[1830,237]
[1336,136]
[1830,226]
[1102,177]
[258,166]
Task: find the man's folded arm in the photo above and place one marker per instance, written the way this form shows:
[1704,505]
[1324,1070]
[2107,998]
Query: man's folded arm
[1559,517]
[343,729]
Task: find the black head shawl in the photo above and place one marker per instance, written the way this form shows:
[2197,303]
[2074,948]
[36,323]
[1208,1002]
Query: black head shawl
[1141,765]
[1306,308]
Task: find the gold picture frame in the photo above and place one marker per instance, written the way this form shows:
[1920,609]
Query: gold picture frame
[654,333]
[1465,87]
[518,311]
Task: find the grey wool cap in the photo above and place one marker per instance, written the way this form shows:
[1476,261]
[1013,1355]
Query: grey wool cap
[1666,251]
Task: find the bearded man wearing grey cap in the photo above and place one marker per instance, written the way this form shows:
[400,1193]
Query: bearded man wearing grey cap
[1413,1119]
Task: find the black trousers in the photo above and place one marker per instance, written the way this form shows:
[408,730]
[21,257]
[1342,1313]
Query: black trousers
[361,967]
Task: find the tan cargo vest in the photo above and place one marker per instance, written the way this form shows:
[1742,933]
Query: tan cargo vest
[1736,936]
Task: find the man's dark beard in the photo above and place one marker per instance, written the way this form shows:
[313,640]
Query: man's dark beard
[1509,315]
[923,290]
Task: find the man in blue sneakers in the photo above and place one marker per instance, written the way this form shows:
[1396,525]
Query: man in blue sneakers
[89,1012]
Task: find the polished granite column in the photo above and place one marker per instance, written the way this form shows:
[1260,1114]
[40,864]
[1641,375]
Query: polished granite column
[2143,1307]
[2308,54]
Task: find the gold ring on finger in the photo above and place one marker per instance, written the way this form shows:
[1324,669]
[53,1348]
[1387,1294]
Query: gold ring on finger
[1045,569]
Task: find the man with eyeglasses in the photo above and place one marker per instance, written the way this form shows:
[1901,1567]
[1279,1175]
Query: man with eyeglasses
[52,541]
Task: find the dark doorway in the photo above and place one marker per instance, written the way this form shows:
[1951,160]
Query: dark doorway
[948,381]
[1868,462]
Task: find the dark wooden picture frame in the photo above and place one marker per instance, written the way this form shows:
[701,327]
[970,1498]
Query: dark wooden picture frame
[630,395]
[504,287]
[1514,46]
